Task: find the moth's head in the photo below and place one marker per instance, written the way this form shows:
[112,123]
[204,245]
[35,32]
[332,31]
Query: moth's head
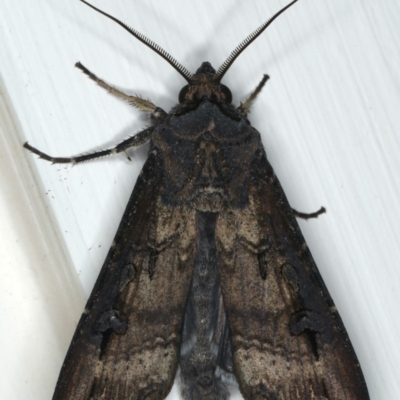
[205,85]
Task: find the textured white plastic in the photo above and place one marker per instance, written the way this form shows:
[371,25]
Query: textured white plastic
[330,122]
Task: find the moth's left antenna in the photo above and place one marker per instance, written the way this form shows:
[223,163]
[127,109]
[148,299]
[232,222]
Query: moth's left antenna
[149,43]
[246,42]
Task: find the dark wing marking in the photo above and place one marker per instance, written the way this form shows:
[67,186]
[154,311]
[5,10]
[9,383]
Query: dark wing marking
[127,342]
[288,341]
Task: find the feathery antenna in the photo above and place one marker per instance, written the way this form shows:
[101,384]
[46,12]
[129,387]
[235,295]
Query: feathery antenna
[246,42]
[149,43]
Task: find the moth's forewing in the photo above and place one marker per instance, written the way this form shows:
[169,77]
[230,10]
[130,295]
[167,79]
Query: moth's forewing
[281,333]
[126,345]
[288,339]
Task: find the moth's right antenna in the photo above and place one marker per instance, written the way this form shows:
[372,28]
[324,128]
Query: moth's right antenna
[246,42]
[149,43]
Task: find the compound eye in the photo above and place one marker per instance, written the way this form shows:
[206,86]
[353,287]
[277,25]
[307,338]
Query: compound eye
[227,93]
[183,93]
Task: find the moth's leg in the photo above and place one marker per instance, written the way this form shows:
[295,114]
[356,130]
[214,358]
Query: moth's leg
[244,108]
[306,216]
[133,141]
[157,113]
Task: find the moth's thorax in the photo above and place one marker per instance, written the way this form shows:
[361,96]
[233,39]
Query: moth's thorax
[207,152]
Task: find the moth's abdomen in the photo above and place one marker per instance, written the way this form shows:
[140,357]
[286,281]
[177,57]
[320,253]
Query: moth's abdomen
[204,341]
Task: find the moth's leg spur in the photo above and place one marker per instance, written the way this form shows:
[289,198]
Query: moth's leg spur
[307,216]
[244,108]
[140,138]
[157,113]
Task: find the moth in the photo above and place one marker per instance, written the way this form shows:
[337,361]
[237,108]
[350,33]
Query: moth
[209,276]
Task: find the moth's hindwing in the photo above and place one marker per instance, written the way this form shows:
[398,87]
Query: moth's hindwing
[288,339]
[126,345]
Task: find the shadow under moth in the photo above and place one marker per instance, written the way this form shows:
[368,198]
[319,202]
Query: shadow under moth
[209,277]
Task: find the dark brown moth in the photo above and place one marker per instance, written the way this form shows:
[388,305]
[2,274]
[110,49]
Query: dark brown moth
[209,275]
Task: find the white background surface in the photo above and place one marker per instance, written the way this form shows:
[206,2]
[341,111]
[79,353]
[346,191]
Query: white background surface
[329,117]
